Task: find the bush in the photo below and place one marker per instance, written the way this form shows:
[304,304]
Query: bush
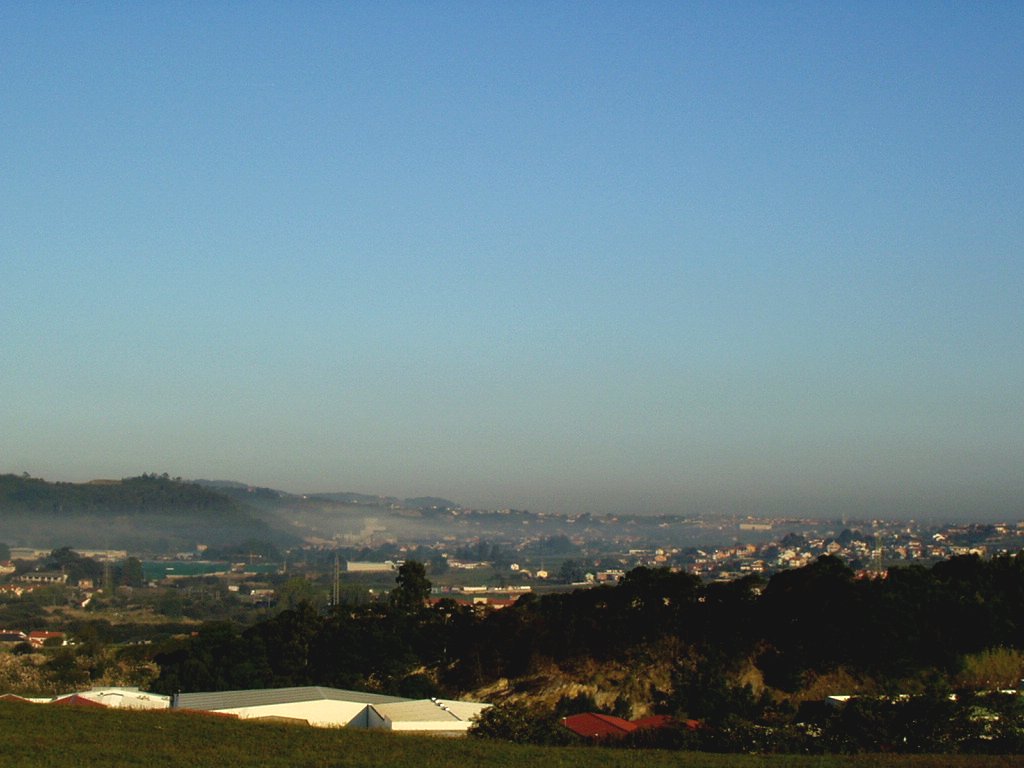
[521,724]
[992,669]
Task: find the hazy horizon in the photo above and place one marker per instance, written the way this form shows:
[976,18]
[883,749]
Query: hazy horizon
[683,258]
[943,511]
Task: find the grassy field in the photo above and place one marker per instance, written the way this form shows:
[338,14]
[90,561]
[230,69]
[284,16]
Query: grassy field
[45,736]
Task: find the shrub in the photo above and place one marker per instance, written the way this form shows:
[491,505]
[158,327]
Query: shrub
[521,724]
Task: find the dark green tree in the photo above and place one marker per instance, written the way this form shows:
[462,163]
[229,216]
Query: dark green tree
[297,591]
[131,573]
[572,571]
[521,724]
[77,567]
[216,659]
[285,641]
[413,587]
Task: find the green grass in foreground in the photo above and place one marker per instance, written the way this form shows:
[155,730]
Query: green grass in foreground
[39,736]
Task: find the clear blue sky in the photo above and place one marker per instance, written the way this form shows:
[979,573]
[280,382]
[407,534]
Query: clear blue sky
[609,257]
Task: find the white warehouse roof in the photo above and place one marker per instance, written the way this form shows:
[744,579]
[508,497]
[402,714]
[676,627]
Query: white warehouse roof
[335,707]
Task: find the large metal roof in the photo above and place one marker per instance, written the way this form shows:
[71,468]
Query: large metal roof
[464,710]
[422,711]
[430,710]
[218,700]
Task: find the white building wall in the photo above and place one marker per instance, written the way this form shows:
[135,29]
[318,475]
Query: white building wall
[374,719]
[430,726]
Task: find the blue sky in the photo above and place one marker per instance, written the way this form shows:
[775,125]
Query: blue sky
[726,258]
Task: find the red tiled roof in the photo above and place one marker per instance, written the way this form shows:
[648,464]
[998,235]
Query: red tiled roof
[654,721]
[591,725]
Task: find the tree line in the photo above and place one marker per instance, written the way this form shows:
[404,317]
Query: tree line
[745,654]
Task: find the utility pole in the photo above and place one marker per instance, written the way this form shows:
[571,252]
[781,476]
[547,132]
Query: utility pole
[336,586]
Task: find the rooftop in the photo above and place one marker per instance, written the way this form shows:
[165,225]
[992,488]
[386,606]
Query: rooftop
[269,696]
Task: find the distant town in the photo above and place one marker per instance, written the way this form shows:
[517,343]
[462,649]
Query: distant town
[498,556]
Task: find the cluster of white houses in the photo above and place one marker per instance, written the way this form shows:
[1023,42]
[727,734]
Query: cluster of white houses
[310,705]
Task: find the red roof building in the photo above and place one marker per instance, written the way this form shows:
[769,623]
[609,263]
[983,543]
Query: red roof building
[661,721]
[591,725]
[38,637]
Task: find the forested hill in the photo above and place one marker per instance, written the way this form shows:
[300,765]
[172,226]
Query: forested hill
[150,512]
[147,493]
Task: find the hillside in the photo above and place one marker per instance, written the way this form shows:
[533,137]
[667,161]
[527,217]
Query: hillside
[149,512]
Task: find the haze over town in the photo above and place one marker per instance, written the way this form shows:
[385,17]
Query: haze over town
[655,258]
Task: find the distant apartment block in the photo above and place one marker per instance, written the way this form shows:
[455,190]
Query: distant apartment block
[355,566]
